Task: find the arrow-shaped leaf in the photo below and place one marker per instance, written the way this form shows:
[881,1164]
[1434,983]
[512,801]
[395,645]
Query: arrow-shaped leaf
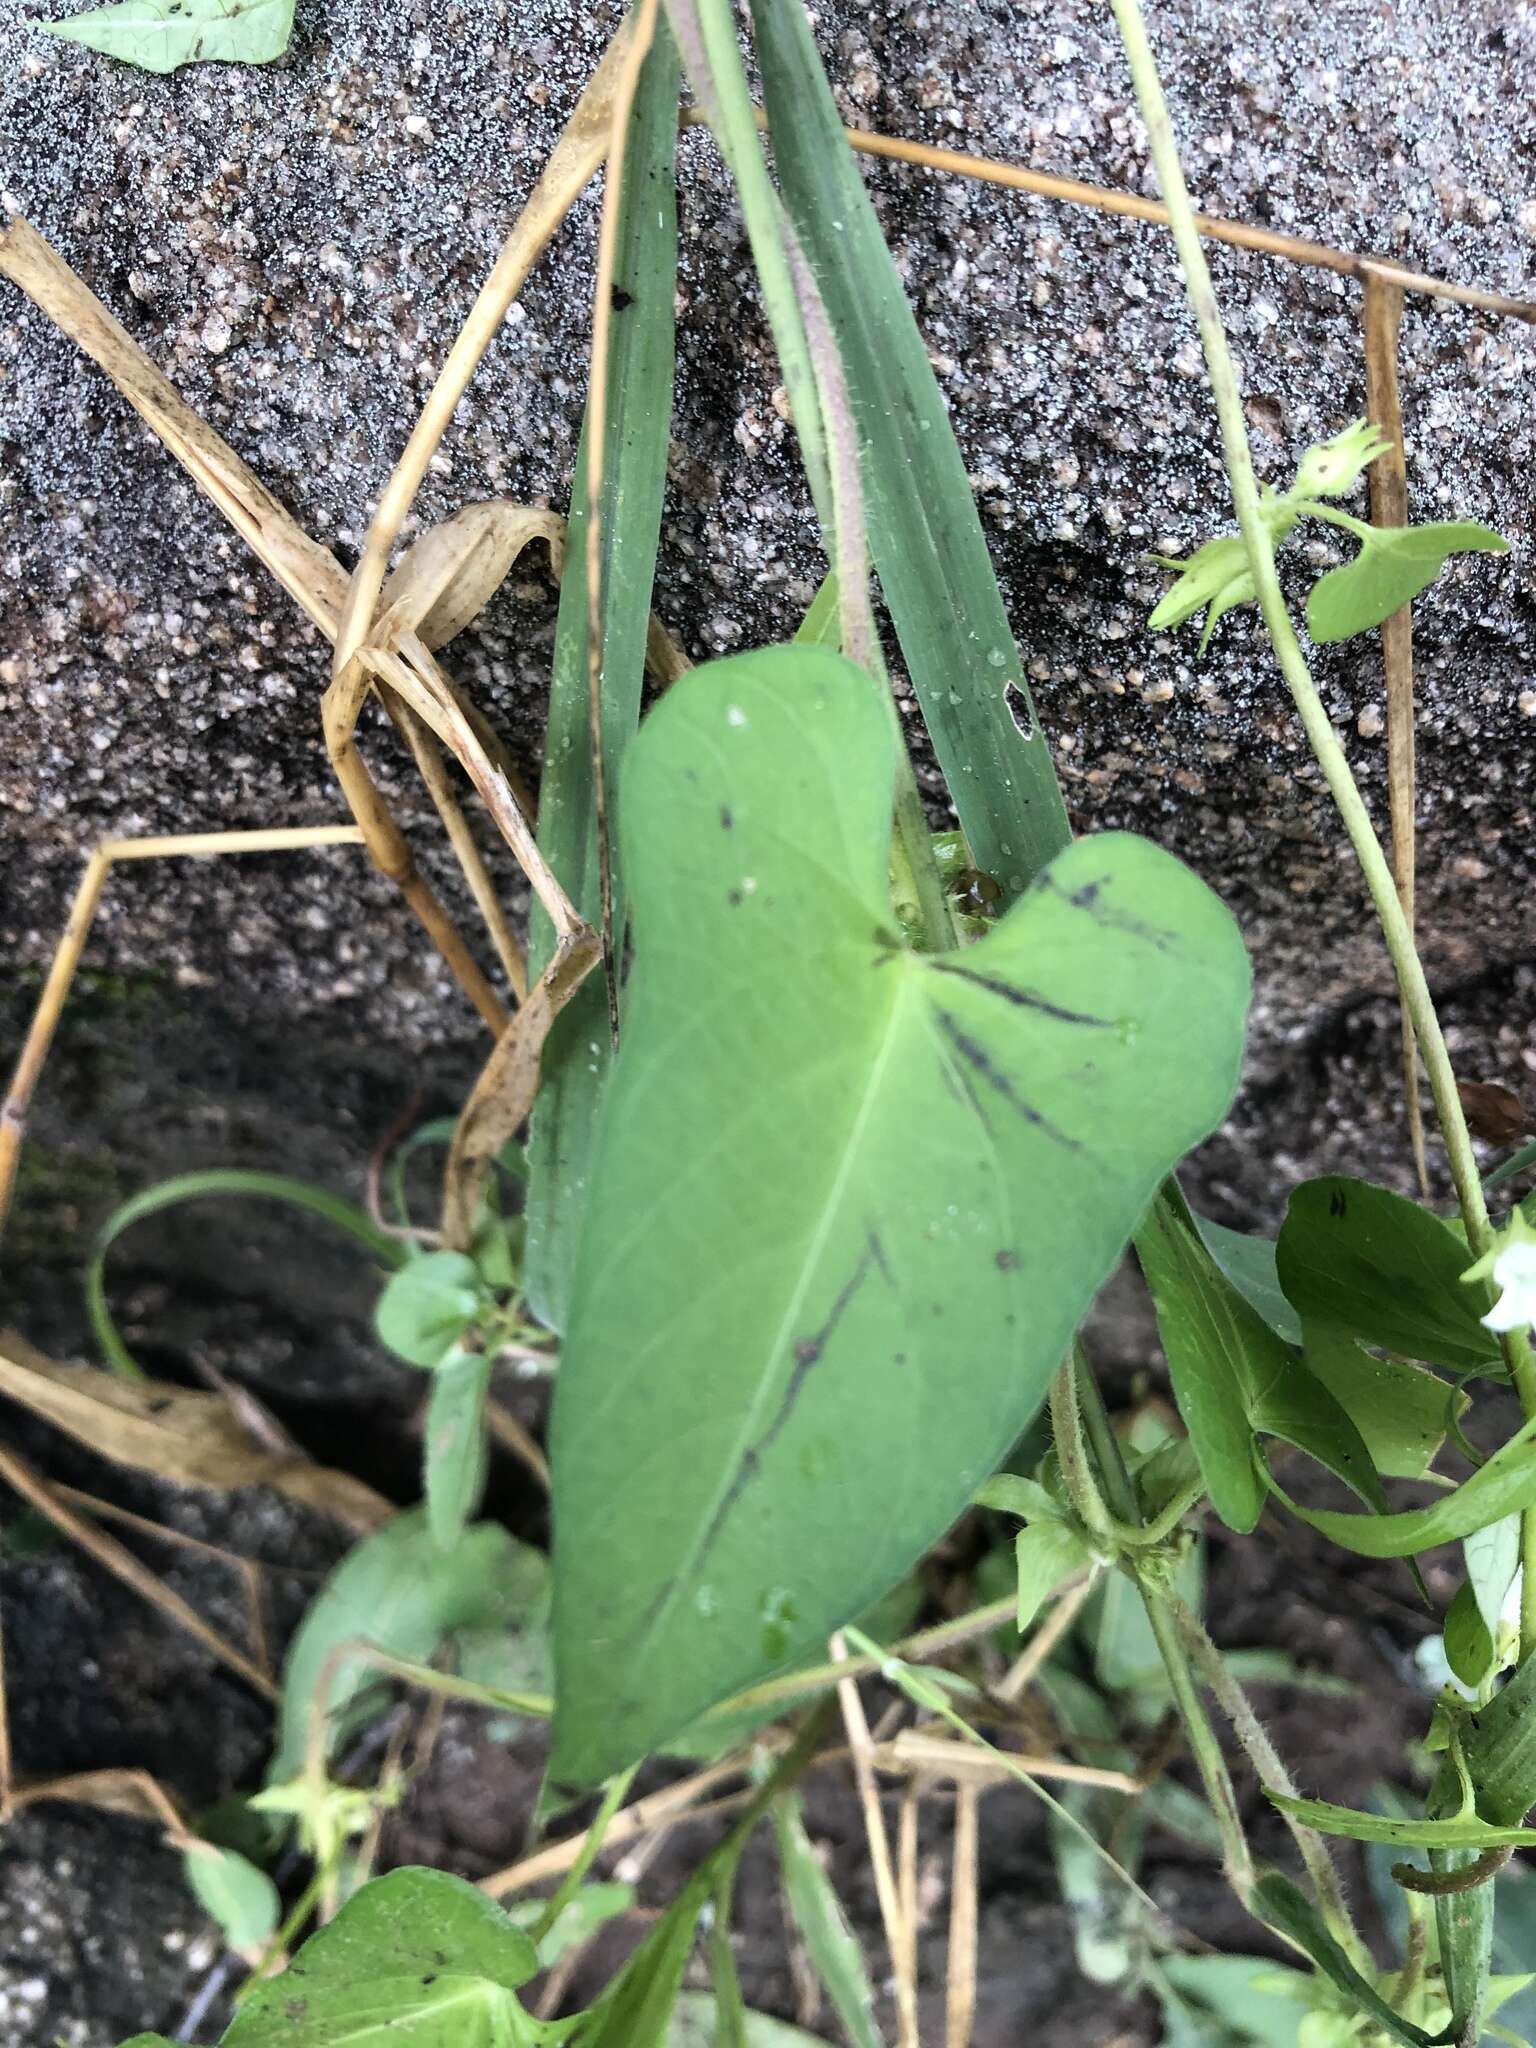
[1394,564]
[848,1202]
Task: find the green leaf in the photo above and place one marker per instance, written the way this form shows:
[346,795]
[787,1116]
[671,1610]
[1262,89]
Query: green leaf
[1249,1263]
[417,1959]
[817,1911]
[1046,1553]
[162,35]
[1499,1747]
[822,624]
[427,1306]
[1259,2001]
[1233,1377]
[1368,1262]
[1331,469]
[637,2008]
[229,1887]
[1394,564]
[400,1593]
[695,2022]
[1468,1640]
[641,350]
[455,1444]
[589,1907]
[1399,1409]
[896,1162]
[1504,1486]
[1517,1162]
[201,1187]
[1492,1557]
[1276,1899]
[1214,580]
[929,549]
[1007,1494]
[1466,1831]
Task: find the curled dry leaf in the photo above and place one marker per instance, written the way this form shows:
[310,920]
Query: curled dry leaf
[447,576]
[503,1095]
[187,1437]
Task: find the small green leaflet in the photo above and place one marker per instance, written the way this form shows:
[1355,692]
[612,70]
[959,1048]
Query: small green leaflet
[1046,1553]
[426,1307]
[903,1179]
[162,35]
[241,1898]
[1394,564]
[417,1959]
[1468,1640]
[1399,1409]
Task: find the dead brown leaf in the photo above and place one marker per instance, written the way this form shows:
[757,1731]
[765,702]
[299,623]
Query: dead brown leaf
[451,572]
[188,1437]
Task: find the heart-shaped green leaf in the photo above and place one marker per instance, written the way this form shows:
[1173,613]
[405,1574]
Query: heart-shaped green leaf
[417,1959]
[1394,564]
[848,1202]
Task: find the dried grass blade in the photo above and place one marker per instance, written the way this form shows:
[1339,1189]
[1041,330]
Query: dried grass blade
[176,1433]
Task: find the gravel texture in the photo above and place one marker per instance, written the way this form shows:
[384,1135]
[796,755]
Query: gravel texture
[296,246]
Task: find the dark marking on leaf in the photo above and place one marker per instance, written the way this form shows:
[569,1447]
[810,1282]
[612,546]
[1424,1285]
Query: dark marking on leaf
[1007,1262]
[1022,998]
[1086,898]
[727,820]
[808,1352]
[621,298]
[980,1061]
[733,897]
[1337,1206]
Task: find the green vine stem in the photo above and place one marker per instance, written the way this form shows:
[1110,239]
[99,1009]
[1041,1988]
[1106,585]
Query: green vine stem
[1268,1765]
[1315,721]
[1097,1437]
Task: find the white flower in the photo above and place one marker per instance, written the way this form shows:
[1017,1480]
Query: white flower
[1511,1266]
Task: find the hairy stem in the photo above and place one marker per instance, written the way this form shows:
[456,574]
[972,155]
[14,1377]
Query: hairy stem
[1204,1747]
[1321,736]
[1267,1763]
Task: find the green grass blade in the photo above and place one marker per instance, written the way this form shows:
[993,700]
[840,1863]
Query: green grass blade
[197,1187]
[633,479]
[930,553]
